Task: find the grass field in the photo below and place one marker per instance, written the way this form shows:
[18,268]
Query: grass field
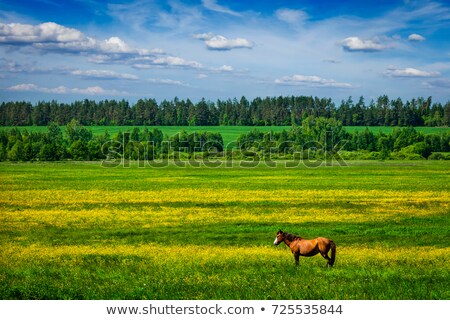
[80,231]
[425,130]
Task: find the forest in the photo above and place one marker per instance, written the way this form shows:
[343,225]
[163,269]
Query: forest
[269,111]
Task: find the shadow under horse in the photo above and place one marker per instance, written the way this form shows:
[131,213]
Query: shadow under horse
[307,248]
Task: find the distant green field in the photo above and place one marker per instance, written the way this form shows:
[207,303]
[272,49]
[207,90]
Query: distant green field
[229,133]
[74,230]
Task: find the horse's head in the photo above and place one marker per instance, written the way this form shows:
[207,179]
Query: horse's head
[279,238]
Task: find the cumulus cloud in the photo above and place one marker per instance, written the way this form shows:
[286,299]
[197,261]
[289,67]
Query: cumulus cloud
[203,36]
[356,44]
[311,81]
[103,74]
[291,16]
[409,73]
[219,42]
[24,87]
[214,6]
[51,37]
[95,90]
[416,37]
[17,33]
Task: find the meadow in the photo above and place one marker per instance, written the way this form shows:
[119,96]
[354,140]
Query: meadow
[77,230]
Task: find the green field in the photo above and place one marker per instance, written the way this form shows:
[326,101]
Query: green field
[387,130]
[78,230]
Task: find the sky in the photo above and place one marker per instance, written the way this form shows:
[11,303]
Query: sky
[216,49]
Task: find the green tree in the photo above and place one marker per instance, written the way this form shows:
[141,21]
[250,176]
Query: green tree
[422,148]
[79,150]
[404,137]
[94,150]
[3,153]
[16,152]
[384,145]
[75,131]
[201,113]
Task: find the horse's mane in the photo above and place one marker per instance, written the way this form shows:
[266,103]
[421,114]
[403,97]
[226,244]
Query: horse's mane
[291,237]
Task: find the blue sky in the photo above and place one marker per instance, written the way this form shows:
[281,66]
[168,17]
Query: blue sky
[68,50]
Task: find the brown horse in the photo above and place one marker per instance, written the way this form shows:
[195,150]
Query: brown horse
[307,248]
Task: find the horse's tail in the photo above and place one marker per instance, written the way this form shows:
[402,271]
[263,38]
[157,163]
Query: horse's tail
[333,252]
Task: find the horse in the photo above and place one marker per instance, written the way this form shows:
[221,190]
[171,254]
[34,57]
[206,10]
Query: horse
[307,248]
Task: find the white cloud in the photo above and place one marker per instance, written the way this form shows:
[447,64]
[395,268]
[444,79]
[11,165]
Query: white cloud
[95,90]
[51,37]
[357,44]
[416,37]
[219,42]
[226,68]
[167,82]
[142,66]
[90,91]
[291,16]
[223,69]
[117,45]
[17,33]
[203,36]
[409,73]
[169,61]
[103,74]
[214,6]
[24,87]
[311,81]
[176,62]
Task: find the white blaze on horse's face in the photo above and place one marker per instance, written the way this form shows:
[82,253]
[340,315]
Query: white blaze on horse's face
[276,241]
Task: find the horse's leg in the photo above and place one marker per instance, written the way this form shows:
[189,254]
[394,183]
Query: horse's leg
[323,249]
[325,255]
[297,258]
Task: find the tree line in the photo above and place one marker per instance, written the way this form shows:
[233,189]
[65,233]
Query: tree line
[77,142]
[317,138]
[269,111]
[322,138]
